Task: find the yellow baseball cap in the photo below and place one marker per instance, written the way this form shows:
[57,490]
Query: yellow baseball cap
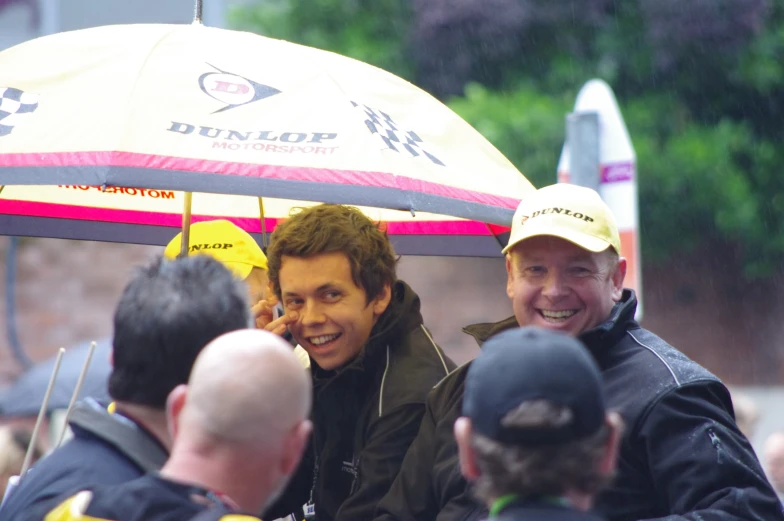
[571,212]
[226,242]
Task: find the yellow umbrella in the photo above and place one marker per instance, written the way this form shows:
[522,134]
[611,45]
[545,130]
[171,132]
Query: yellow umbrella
[104,132]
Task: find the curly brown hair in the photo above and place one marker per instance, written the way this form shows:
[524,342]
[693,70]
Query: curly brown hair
[329,228]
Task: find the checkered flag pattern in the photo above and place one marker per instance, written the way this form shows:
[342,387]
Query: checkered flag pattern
[14,105]
[381,124]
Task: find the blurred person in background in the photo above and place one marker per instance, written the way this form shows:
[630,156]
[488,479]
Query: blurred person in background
[240,253]
[682,456]
[372,359]
[773,454]
[746,413]
[233,247]
[536,443]
[13,447]
[238,430]
[166,315]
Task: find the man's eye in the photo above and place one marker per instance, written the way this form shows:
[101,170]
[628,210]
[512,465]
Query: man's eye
[535,270]
[332,295]
[292,302]
[580,270]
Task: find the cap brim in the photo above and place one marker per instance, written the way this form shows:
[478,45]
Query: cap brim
[584,241]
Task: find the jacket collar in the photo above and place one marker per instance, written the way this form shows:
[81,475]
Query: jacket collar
[543,510]
[124,434]
[609,332]
[481,332]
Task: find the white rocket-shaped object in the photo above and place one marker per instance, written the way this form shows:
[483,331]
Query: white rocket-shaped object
[618,174]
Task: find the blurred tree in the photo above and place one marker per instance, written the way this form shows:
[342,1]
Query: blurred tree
[373,31]
[700,83]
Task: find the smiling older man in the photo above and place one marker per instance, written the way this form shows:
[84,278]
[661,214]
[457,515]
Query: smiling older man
[682,457]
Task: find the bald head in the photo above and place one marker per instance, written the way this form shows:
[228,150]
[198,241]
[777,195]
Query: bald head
[247,386]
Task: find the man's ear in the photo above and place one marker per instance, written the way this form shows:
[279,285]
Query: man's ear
[294,447]
[509,281]
[610,458]
[468,466]
[381,302]
[618,276]
[174,405]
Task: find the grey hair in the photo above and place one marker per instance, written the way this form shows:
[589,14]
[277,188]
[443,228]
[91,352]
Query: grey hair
[539,471]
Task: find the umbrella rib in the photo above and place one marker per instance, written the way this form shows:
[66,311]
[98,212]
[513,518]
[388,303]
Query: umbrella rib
[263,220]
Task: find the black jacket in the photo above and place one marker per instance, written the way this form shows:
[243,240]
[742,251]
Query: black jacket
[533,510]
[682,456]
[149,498]
[105,449]
[365,416]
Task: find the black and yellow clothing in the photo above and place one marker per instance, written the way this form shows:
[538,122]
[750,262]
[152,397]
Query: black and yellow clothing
[365,416]
[106,449]
[149,498]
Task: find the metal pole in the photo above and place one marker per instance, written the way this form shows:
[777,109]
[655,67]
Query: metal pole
[50,16]
[75,394]
[582,141]
[197,11]
[186,225]
[263,220]
[42,413]
[214,14]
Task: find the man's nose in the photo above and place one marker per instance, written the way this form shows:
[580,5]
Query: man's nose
[555,286]
[312,314]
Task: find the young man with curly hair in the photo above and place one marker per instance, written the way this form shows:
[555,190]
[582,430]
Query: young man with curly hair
[372,359]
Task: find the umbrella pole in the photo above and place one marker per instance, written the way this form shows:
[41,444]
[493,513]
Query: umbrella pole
[186,225]
[75,394]
[263,225]
[197,10]
[42,412]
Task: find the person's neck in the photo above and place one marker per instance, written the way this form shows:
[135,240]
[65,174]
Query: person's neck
[218,472]
[153,420]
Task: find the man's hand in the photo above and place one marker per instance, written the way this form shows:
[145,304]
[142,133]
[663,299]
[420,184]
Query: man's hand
[263,312]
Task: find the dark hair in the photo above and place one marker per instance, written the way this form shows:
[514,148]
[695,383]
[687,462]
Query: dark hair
[329,228]
[550,470]
[167,313]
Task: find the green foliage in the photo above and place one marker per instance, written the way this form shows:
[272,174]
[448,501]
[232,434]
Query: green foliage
[701,89]
[526,125]
[373,31]
[696,181]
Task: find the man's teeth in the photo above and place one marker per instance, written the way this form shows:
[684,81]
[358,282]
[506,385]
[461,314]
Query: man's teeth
[557,315]
[323,339]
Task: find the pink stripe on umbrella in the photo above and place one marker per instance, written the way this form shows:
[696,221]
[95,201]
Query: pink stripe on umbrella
[285,173]
[84,213]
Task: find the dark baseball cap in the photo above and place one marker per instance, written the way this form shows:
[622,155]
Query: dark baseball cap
[531,363]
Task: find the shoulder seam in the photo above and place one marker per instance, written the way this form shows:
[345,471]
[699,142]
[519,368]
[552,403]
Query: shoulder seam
[381,393]
[456,369]
[660,357]
[438,351]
